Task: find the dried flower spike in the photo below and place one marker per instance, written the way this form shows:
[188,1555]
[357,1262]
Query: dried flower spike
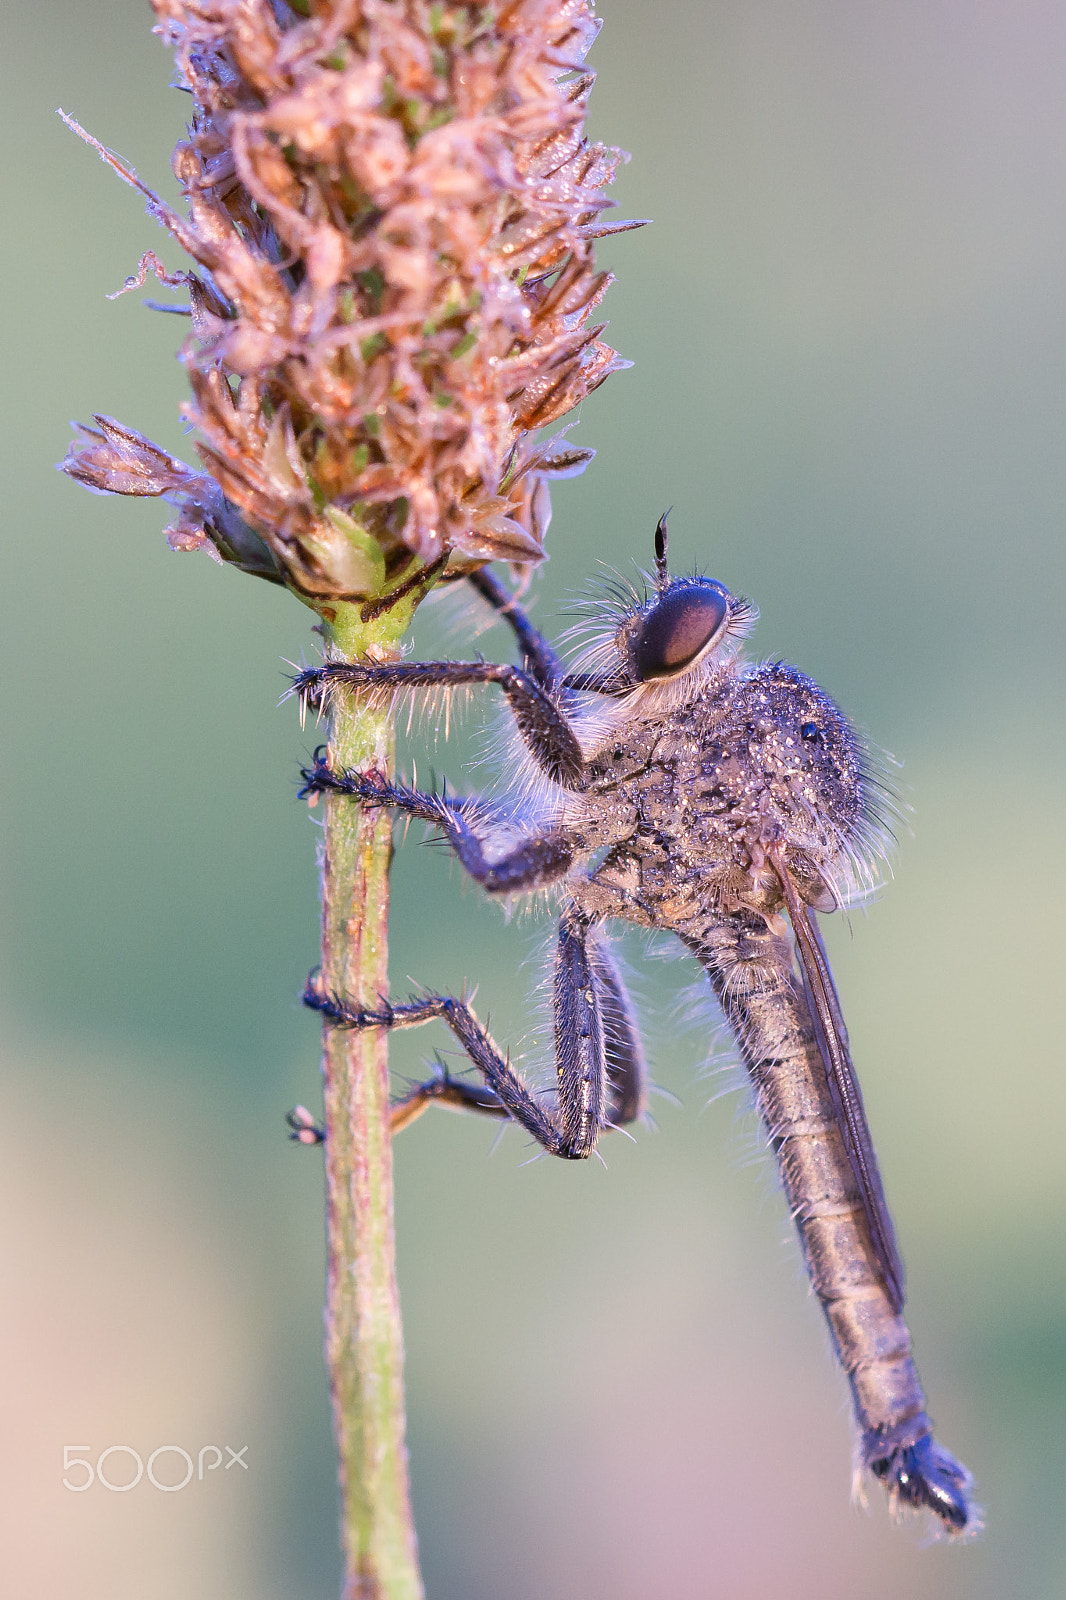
[392,215]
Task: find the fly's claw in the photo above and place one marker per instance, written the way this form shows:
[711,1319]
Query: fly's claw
[371,788]
[318,998]
[308,687]
[312,685]
[315,777]
[303,1128]
[433,1087]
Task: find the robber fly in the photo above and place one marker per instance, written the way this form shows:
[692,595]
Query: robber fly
[682,790]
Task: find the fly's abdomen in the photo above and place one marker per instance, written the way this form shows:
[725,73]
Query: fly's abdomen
[793,1098]
[750,968]
[871,1339]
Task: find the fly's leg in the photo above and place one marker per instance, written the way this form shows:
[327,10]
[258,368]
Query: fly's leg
[580,1046]
[591,1028]
[533,863]
[539,714]
[513,1094]
[303,1128]
[627,1071]
[539,658]
[443,1090]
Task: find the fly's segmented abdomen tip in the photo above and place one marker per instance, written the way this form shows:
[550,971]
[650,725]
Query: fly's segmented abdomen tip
[925,1477]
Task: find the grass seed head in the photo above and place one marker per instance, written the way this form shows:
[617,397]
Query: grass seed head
[392,209]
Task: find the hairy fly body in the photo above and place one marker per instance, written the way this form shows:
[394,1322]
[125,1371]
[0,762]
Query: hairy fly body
[683,790]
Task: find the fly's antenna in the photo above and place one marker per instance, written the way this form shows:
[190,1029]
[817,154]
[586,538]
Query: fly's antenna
[662,576]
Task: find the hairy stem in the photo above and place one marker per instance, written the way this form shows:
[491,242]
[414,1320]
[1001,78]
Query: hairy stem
[364,1336]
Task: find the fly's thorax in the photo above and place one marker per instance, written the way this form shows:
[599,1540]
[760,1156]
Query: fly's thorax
[802,774]
[699,796]
[658,722]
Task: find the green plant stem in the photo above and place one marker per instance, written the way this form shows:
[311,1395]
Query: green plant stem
[364,1336]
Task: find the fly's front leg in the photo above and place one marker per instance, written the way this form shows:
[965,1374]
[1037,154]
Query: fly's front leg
[532,864]
[538,712]
[540,659]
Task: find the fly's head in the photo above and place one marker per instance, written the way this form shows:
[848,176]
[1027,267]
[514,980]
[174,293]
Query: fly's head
[813,786]
[671,645]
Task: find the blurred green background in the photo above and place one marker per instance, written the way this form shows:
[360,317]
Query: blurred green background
[849,329]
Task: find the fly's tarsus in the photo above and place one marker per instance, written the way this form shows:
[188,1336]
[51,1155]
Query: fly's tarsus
[303,1128]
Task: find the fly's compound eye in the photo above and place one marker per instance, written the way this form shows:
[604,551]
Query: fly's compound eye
[688,620]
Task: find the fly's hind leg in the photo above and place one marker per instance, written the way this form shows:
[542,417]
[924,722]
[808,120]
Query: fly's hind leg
[441,1089]
[599,1063]
[444,1090]
[513,1095]
[627,1071]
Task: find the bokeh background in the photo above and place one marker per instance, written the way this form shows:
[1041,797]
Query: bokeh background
[849,329]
